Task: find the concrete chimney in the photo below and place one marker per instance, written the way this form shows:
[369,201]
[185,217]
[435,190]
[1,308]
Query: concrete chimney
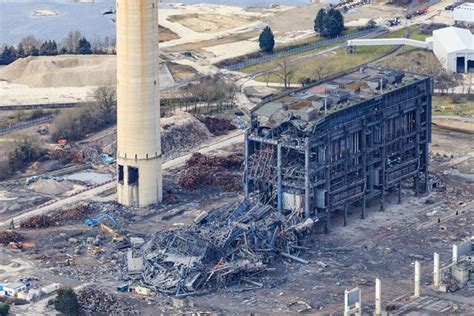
[139,172]
[436,271]
[417,291]
[378,297]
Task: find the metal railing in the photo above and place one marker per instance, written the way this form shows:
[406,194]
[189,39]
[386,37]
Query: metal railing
[302,48]
[7,107]
[25,124]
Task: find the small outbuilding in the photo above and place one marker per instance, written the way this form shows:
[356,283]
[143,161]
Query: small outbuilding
[12,289]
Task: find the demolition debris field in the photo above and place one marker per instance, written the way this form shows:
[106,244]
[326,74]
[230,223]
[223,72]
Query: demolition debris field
[239,258]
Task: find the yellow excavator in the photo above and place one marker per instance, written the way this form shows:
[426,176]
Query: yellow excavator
[112,232]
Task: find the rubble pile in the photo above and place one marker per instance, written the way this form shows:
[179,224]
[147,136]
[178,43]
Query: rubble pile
[201,171]
[9,236]
[93,301]
[216,125]
[38,221]
[229,245]
[76,213]
[182,133]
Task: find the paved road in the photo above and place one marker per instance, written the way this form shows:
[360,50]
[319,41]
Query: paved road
[232,138]
[454,117]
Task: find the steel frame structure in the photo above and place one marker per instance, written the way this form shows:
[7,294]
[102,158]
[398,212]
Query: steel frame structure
[347,157]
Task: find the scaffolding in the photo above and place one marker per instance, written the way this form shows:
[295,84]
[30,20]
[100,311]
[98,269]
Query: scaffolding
[314,159]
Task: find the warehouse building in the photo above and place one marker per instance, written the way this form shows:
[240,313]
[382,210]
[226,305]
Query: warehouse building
[454,48]
[464,14]
[340,142]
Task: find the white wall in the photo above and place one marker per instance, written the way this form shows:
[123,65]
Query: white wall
[464,13]
[440,52]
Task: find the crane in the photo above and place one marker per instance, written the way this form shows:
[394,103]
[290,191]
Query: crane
[97,222]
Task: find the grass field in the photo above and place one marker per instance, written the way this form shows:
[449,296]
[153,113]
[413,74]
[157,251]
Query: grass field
[449,105]
[331,62]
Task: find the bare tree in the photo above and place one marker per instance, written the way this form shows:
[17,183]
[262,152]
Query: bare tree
[30,43]
[106,98]
[320,71]
[71,42]
[212,91]
[285,72]
[267,77]
[469,82]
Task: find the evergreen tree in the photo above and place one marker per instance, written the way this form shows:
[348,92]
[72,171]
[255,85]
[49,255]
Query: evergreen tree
[329,23]
[266,40]
[49,48]
[84,47]
[21,51]
[66,302]
[8,55]
[333,23]
[319,21]
[34,51]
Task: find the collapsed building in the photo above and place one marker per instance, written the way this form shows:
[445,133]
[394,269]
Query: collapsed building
[343,141]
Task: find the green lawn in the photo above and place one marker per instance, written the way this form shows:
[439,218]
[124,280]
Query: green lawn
[272,63]
[332,62]
[444,105]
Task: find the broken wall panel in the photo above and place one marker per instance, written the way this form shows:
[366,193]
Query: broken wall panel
[352,150]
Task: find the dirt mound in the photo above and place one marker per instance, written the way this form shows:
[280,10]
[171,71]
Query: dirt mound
[210,23]
[61,71]
[180,133]
[50,187]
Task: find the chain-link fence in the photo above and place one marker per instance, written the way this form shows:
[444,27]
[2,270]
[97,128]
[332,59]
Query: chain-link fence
[302,48]
[25,124]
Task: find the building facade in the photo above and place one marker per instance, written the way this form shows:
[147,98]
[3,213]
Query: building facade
[340,142]
[454,48]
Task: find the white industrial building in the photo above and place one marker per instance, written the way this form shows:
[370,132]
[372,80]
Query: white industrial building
[464,13]
[452,46]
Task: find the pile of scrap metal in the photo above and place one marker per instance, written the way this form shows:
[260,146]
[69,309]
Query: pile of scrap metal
[93,301]
[73,214]
[216,171]
[217,125]
[228,245]
[9,236]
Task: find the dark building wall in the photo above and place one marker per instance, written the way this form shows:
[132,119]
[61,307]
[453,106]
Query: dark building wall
[347,157]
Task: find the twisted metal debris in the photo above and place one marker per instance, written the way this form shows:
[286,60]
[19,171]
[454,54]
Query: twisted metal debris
[230,244]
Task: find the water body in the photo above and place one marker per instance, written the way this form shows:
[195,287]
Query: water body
[17,19]
[247,3]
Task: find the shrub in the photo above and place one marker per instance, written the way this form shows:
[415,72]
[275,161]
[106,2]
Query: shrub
[91,118]
[24,153]
[457,99]
[4,309]
[66,302]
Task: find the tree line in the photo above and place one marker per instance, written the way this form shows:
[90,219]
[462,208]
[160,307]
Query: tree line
[328,23]
[74,43]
